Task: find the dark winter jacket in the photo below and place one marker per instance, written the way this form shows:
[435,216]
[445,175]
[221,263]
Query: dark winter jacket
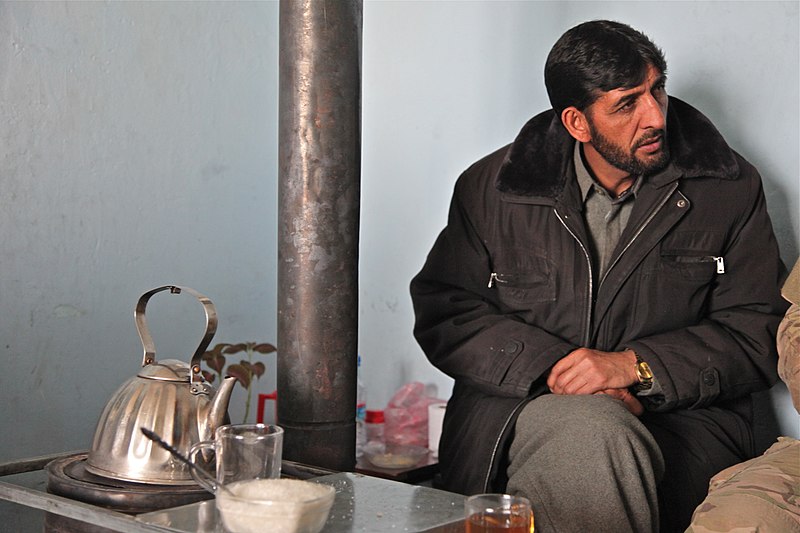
[506,291]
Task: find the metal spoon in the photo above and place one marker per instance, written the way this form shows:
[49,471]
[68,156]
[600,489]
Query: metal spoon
[182,458]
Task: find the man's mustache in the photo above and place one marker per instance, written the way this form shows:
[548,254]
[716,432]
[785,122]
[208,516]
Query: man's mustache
[653,136]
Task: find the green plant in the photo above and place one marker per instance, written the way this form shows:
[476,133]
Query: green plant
[245,371]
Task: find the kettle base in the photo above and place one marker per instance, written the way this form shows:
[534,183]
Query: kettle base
[69,477]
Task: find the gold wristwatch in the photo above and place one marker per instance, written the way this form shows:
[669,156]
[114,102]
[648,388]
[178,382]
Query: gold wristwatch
[644,374]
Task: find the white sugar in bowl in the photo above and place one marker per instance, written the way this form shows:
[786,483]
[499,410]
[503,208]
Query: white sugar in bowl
[275,505]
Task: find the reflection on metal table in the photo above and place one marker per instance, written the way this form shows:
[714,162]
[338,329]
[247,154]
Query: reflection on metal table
[423,471]
[362,504]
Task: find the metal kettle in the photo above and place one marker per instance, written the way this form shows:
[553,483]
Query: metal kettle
[169,397]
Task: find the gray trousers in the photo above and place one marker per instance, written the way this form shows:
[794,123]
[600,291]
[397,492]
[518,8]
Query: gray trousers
[587,465]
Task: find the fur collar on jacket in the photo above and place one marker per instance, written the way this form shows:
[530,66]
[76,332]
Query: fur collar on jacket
[539,158]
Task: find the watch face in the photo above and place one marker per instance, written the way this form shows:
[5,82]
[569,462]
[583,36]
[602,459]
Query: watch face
[643,372]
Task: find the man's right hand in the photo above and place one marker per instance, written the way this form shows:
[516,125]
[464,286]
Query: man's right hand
[630,401]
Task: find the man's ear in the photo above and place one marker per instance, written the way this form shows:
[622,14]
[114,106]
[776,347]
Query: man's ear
[576,123]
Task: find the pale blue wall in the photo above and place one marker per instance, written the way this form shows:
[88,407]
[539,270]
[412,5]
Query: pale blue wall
[138,148]
[138,143]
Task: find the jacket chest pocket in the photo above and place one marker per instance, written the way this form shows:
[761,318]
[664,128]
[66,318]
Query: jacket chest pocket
[523,276]
[693,256]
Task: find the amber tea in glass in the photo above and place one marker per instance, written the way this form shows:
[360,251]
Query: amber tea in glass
[498,513]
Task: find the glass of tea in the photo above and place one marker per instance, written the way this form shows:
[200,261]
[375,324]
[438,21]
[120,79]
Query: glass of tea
[498,513]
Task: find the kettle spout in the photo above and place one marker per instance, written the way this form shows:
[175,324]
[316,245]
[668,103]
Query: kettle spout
[217,409]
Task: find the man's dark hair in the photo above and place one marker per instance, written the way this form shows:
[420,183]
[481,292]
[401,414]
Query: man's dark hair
[595,57]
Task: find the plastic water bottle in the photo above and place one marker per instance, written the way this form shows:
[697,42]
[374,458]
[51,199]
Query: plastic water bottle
[374,426]
[361,412]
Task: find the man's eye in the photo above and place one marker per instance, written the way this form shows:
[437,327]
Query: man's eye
[660,94]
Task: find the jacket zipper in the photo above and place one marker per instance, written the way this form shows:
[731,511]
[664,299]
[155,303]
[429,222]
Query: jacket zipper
[588,326]
[494,279]
[492,458]
[720,261]
[640,230]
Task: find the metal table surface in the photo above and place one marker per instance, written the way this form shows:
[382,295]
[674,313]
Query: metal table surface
[362,504]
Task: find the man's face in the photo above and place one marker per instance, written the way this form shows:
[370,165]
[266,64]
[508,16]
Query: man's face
[628,126]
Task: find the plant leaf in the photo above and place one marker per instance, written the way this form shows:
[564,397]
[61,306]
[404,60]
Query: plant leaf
[235,348]
[264,348]
[215,361]
[208,376]
[258,369]
[217,349]
[241,374]
[214,358]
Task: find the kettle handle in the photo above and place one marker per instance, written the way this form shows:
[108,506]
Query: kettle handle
[149,356]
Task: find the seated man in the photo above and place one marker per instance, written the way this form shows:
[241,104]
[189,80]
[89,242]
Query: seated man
[763,494]
[606,297]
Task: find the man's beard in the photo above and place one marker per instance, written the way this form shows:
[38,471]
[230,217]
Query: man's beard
[628,162]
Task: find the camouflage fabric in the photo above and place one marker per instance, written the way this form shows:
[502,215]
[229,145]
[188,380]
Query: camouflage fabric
[791,288]
[761,495]
[789,353]
[789,337]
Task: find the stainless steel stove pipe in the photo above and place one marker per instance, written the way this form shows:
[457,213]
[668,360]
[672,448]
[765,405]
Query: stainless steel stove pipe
[319,190]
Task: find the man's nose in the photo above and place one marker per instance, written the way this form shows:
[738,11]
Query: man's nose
[654,113]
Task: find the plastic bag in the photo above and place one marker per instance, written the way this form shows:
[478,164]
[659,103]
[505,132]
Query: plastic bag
[406,416]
